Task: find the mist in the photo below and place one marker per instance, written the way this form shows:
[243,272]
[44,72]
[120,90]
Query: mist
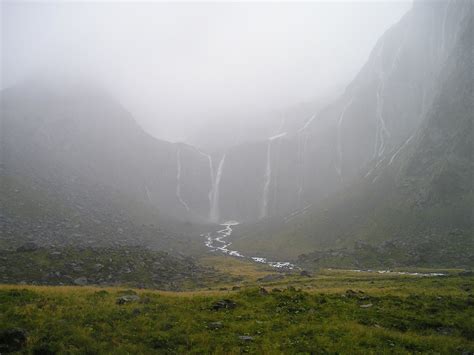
[182,67]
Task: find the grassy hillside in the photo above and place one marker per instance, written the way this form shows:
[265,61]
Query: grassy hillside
[334,312]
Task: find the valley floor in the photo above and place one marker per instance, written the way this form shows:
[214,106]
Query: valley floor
[332,312]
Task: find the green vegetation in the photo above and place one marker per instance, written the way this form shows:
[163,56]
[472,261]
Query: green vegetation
[333,312]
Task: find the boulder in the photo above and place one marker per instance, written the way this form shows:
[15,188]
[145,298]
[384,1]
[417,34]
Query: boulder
[12,340]
[127,299]
[29,246]
[245,337]
[81,281]
[215,325]
[223,304]
[305,273]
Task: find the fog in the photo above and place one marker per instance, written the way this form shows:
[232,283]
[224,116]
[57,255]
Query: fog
[178,67]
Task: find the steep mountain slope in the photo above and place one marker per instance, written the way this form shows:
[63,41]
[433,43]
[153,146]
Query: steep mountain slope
[379,111]
[419,194]
[78,133]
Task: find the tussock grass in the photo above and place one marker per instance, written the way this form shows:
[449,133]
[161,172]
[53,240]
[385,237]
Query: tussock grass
[309,315]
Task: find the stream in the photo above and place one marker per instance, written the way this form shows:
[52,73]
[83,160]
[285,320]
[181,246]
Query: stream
[217,242]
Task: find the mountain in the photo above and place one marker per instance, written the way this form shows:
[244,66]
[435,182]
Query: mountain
[416,196]
[379,111]
[78,133]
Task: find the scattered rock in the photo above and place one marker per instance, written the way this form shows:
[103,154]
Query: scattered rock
[127,299]
[136,312]
[224,304]
[466,273]
[263,291]
[215,325]
[305,273]
[368,305]
[276,290]
[12,340]
[235,288]
[29,246]
[81,281]
[245,337]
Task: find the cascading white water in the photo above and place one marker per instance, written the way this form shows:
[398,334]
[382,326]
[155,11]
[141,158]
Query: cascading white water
[443,26]
[382,133]
[178,180]
[218,242]
[147,193]
[339,140]
[211,174]
[303,136]
[268,176]
[399,149]
[214,214]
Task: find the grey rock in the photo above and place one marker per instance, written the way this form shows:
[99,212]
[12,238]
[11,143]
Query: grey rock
[12,340]
[29,246]
[245,337]
[127,299]
[81,281]
[305,273]
[223,304]
[215,325]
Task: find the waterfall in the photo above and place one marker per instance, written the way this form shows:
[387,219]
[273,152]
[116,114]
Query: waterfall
[211,175]
[266,185]
[214,214]
[211,172]
[147,193]
[399,149]
[178,180]
[268,176]
[302,143]
[303,136]
[443,26]
[339,140]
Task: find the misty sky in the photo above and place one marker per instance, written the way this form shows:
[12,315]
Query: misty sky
[177,66]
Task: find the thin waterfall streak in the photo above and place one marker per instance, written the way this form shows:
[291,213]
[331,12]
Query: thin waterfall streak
[267,178]
[399,149]
[215,213]
[211,175]
[339,140]
[147,193]
[178,180]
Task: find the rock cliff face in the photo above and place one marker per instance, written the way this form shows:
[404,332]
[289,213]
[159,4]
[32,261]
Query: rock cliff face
[418,196]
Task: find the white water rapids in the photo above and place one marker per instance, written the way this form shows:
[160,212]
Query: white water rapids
[218,242]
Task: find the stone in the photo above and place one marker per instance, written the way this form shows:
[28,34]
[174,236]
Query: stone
[29,246]
[127,299]
[215,325]
[245,337]
[12,340]
[81,281]
[368,305]
[305,273]
[223,304]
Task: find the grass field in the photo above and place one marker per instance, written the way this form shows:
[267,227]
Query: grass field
[332,312]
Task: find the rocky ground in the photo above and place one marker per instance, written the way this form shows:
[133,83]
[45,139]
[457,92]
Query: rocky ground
[133,266]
